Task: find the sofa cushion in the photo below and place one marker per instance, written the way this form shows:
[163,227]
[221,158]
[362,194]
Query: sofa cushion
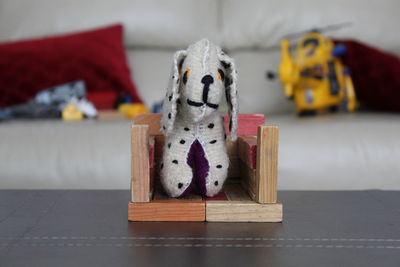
[97,57]
[257,94]
[56,154]
[152,69]
[339,152]
[259,23]
[155,23]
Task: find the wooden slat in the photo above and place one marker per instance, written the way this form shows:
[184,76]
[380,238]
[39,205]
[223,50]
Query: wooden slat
[231,147]
[247,150]
[235,192]
[151,119]
[240,208]
[239,211]
[111,115]
[248,178]
[267,164]
[159,145]
[140,164]
[167,210]
[152,182]
[234,169]
[151,151]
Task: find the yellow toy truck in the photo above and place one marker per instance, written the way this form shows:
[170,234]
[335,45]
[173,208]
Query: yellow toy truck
[315,79]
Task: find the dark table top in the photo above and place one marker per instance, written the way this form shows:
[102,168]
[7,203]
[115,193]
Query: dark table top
[90,228]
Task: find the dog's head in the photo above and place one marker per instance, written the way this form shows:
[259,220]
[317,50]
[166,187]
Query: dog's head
[200,76]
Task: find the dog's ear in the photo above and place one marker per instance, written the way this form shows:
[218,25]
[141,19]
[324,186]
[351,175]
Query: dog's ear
[231,92]
[171,101]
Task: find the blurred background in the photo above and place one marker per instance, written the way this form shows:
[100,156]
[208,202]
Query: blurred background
[103,53]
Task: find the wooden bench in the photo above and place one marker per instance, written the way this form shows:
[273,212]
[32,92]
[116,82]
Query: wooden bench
[249,195]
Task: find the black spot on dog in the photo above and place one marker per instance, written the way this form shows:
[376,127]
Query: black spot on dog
[169,115]
[178,101]
[175,161]
[170,98]
[162,165]
[216,183]
[182,141]
[213,141]
[211,125]
[219,166]
[169,145]
[180,185]
[186,129]
[225,136]
[164,128]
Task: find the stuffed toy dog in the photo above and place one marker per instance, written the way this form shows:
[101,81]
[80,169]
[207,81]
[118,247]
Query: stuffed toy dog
[195,149]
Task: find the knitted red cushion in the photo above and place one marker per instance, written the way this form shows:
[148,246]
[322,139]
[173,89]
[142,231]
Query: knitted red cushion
[96,56]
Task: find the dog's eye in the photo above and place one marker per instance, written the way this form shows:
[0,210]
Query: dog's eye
[221,75]
[185,76]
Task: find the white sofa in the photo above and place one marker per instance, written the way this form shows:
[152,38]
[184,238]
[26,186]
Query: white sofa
[331,152]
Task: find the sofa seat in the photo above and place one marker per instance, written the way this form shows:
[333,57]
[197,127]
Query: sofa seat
[333,152]
[339,152]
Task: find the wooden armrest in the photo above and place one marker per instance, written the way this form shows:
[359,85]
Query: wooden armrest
[267,164]
[140,165]
[259,161]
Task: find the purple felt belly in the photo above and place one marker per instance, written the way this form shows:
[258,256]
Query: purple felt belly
[196,159]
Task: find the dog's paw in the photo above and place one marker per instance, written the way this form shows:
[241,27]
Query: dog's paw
[176,178]
[212,184]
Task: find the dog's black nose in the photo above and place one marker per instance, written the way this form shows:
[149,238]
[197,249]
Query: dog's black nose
[207,80]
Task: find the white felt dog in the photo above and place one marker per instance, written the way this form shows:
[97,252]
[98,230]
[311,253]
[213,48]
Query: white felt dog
[195,150]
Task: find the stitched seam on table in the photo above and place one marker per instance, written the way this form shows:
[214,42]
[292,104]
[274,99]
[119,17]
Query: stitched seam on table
[201,245]
[202,238]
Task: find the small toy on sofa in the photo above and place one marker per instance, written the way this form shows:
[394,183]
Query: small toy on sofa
[195,153]
[315,79]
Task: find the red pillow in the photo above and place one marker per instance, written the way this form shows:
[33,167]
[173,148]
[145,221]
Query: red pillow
[375,74]
[96,56]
